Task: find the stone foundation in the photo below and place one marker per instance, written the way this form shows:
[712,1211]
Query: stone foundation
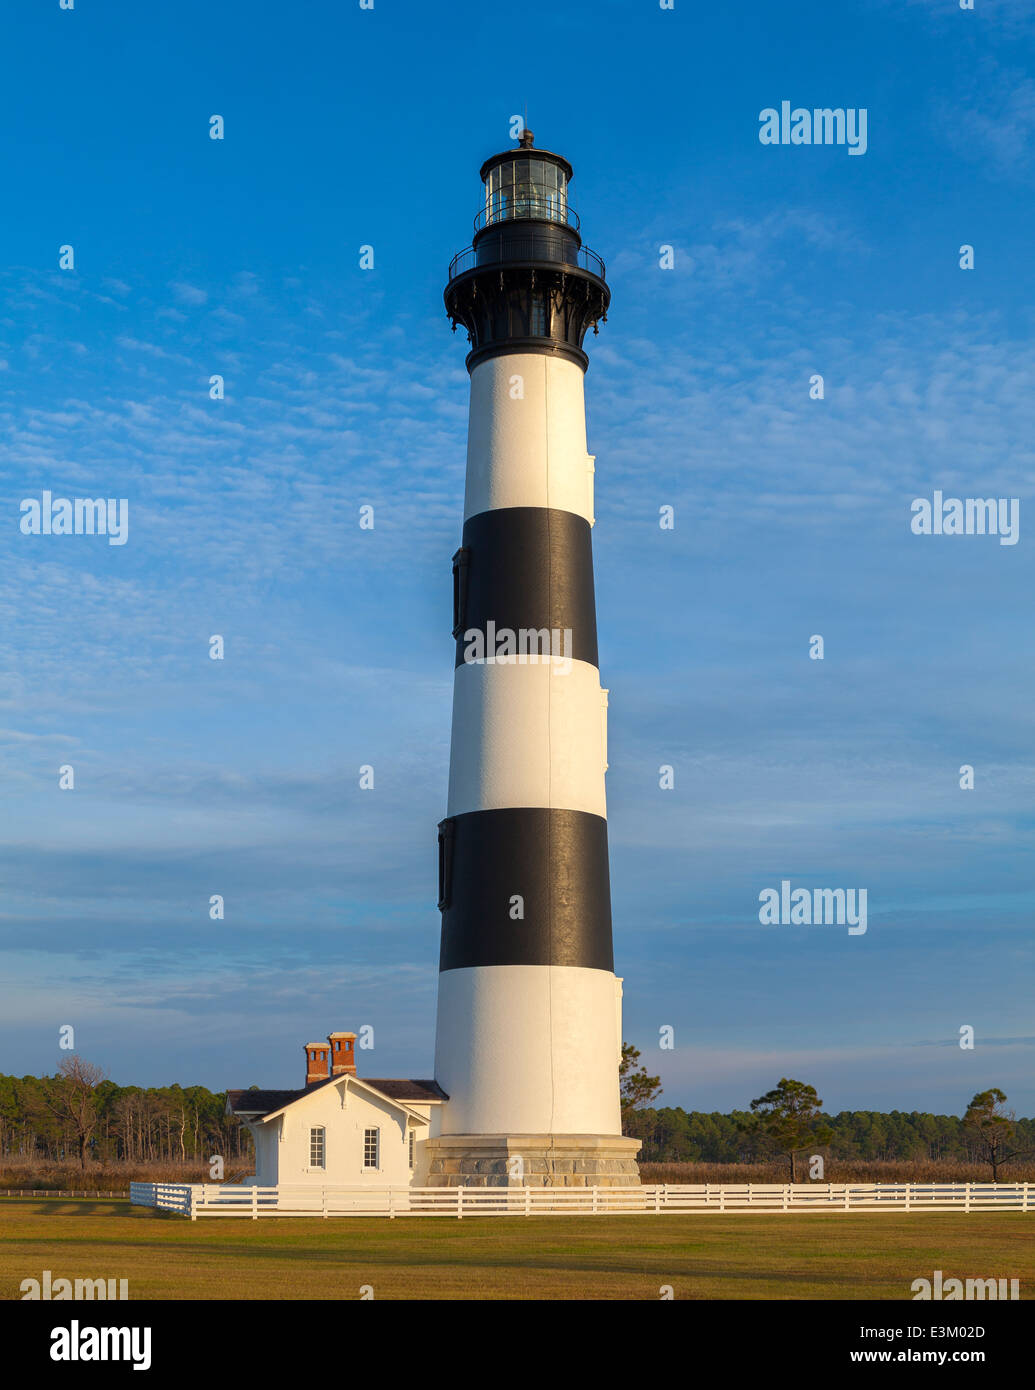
[532,1160]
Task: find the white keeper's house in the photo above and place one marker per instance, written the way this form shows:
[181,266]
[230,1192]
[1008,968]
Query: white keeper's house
[340,1128]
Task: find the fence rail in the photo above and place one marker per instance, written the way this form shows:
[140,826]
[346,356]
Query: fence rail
[122,1192]
[211,1199]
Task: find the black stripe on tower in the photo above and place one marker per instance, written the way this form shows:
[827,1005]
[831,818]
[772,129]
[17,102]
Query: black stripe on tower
[555,861]
[526,567]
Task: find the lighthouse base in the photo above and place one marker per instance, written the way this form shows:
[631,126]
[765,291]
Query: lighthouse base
[531,1160]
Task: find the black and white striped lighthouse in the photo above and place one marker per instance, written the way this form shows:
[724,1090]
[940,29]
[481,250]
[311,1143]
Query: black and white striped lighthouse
[529,1010]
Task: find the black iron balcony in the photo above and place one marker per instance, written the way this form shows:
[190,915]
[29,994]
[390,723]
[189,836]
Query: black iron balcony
[515,252]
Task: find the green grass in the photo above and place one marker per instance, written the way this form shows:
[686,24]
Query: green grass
[793,1256]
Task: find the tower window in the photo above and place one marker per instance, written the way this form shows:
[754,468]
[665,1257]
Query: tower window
[371,1147]
[445,864]
[318,1148]
[461,560]
[537,316]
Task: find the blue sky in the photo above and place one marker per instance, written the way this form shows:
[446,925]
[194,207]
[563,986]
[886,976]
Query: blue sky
[345,387]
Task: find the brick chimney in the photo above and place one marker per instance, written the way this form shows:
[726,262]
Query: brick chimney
[343,1055]
[316,1062]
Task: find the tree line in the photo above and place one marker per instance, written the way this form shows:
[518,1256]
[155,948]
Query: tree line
[675,1135]
[789,1121]
[78,1114]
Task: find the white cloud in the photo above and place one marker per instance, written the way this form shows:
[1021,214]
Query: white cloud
[188,294]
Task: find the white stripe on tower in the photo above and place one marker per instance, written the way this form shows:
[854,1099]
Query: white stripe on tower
[525,1049]
[528,452]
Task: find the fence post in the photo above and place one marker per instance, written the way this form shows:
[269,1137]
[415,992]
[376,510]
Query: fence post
[594,1199]
[786,1195]
[722,1199]
[657,1199]
[193,1204]
[323,1196]
[391,1203]
[909,1186]
[847,1203]
[528,1201]
[255,1204]
[1024,1198]
[460,1203]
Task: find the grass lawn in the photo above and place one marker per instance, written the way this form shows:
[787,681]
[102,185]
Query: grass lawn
[798,1255]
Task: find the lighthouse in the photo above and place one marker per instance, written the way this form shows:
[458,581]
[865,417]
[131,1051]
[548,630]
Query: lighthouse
[528,1037]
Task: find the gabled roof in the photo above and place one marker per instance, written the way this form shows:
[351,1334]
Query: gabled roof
[260,1104]
[264,1102]
[413,1091]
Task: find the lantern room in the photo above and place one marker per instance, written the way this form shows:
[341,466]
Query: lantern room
[526,183]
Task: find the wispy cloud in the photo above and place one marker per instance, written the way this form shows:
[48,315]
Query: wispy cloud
[189,294]
[996,125]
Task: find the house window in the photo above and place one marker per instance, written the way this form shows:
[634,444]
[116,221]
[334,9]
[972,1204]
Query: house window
[317,1148]
[371,1147]
[413,1145]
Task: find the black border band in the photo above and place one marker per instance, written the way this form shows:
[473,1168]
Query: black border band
[556,862]
[532,568]
[547,346]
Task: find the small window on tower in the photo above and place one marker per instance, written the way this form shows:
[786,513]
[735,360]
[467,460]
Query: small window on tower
[461,560]
[537,323]
[445,863]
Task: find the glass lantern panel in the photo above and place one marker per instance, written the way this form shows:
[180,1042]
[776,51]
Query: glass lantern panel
[526,188]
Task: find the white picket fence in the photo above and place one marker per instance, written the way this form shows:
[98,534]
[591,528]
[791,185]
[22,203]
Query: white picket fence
[213,1199]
